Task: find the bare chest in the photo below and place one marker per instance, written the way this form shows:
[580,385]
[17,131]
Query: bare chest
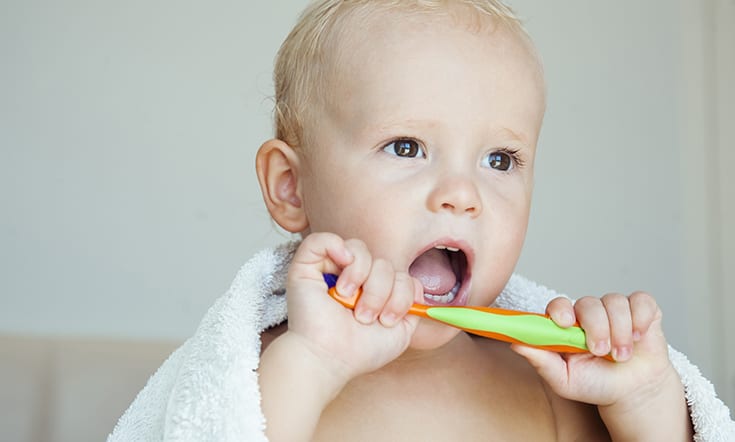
[468,397]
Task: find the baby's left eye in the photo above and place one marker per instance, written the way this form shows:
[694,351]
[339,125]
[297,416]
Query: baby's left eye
[405,148]
[502,160]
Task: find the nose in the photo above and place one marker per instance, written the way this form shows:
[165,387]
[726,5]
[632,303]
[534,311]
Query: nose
[458,195]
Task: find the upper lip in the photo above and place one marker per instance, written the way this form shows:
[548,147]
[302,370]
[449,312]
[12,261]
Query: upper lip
[449,242]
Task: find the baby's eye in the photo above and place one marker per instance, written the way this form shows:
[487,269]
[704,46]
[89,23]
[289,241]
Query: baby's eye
[503,160]
[406,148]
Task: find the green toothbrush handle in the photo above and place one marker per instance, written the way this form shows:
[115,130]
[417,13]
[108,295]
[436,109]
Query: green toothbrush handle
[512,326]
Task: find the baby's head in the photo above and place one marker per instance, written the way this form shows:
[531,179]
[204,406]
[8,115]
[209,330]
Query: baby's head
[307,60]
[411,125]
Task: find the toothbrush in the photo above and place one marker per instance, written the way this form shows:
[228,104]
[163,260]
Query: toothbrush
[532,329]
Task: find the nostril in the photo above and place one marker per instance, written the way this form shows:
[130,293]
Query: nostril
[457,196]
[455,209]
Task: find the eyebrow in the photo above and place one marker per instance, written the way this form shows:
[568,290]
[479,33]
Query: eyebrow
[411,124]
[504,131]
[415,124]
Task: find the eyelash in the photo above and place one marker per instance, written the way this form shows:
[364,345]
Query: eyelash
[421,153]
[516,160]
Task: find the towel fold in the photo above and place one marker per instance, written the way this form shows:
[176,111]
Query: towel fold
[207,390]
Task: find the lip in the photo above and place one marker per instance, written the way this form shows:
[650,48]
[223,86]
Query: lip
[464,290]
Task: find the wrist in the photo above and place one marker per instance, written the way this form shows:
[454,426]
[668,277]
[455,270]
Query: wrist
[655,411]
[296,384]
[295,356]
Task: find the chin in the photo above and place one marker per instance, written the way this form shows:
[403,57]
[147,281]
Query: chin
[431,335]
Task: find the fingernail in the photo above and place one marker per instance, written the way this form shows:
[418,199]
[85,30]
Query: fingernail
[602,347]
[621,353]
[347,290]
[365,316]
[566,318]
[388,319]
[636,336]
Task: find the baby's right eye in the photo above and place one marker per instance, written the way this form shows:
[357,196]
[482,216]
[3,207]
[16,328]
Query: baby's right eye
[404,148]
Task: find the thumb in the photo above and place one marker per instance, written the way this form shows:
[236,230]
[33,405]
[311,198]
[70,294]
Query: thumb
[548,364]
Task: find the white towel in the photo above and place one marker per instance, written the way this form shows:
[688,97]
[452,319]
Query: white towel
[207,390]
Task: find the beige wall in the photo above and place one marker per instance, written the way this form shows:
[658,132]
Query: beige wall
[128,132]
[60,390]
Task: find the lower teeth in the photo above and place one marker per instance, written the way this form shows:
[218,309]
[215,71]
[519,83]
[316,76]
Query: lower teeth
[446,298]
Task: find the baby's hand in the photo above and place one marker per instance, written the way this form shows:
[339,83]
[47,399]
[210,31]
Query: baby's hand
[626,327]
[378,330]
[628,390]
[640,380]
[327,345]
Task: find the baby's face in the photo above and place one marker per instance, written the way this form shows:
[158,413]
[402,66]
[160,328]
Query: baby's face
[427,145]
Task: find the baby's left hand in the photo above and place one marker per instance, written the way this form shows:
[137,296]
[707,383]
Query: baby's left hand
[626,327]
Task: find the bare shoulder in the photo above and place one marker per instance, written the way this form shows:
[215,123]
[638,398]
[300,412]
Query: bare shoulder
[269,335]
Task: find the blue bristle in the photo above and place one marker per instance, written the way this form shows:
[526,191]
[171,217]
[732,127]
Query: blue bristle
[330,279]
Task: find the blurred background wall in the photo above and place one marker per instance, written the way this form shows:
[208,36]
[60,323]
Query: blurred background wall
[128,132]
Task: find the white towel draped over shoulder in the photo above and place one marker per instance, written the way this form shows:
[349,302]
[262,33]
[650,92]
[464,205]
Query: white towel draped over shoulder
[207,390]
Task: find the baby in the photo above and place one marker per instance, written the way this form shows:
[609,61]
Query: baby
[406,138]
[404,155]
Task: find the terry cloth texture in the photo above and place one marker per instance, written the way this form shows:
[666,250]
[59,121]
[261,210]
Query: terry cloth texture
[207,390]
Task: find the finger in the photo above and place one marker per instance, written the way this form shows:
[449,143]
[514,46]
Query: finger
[324,253]
[418,291]
[375,291]
[592,318]
[354,274]
[561,311]
[549,365]
[400,299]
[645,310]
[621,325]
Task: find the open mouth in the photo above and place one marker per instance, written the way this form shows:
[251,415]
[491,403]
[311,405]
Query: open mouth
[442,271]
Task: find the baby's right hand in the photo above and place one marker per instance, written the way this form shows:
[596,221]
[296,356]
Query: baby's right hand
[352,343]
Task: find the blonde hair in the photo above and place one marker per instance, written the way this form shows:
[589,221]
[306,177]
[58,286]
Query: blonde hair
[302,61]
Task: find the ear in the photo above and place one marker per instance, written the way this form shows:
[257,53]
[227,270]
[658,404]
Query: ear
[277,166]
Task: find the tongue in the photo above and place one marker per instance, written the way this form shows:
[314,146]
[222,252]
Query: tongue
[434,270]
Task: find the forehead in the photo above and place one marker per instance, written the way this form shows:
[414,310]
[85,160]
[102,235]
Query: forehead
[393,64]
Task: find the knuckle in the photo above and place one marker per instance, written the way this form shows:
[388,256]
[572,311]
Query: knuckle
[403,278]
[382,265]
[587,302]
[381,274]
[371,299]
[560,301]
[642,297]
[403,288]
[355,243]
[322,237]
[308,241]
[614,299]
[360,269]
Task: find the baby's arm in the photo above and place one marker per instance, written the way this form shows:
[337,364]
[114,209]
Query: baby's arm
[327,345]
[639,397]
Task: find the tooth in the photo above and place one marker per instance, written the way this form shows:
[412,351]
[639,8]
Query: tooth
[440,247]
[452,249]
[446,298]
